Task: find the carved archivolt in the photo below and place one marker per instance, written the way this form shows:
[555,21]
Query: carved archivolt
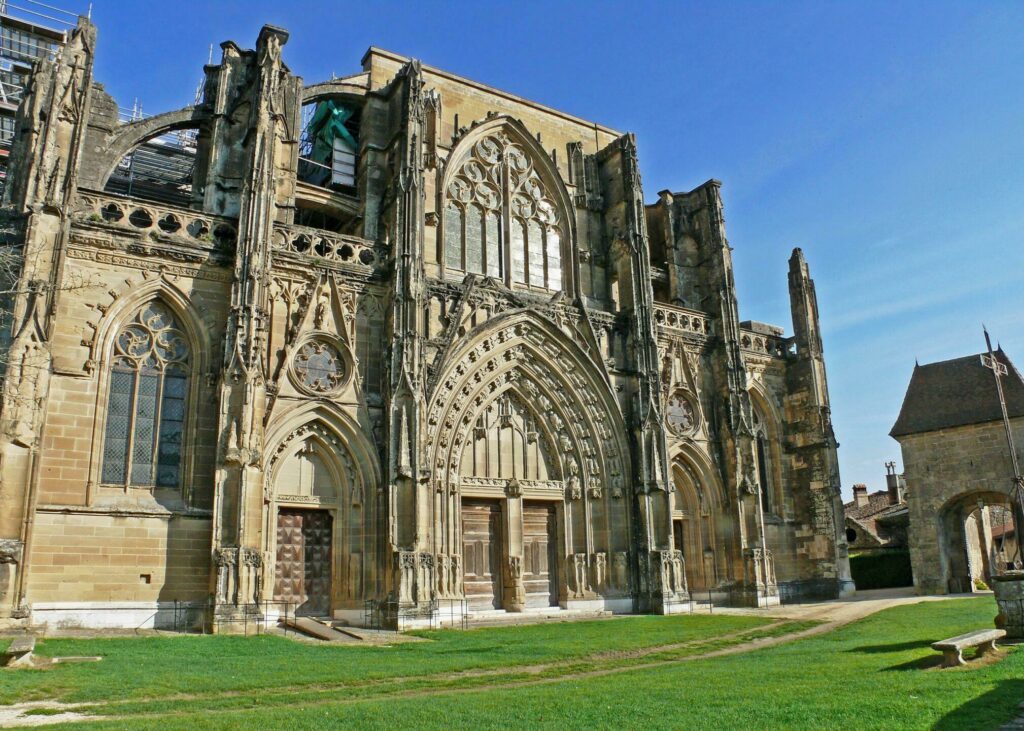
[334,453]
[352,454]
[528,356]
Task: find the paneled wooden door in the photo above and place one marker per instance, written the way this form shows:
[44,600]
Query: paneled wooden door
[540,566]
[481,553]
[302,571]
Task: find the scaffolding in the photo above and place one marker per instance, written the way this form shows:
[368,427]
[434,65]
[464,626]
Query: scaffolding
[160,169]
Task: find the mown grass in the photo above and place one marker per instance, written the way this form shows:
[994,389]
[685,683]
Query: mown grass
[151,667]
[876,673]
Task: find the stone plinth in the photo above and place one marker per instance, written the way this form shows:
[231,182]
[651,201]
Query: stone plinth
[1009,591]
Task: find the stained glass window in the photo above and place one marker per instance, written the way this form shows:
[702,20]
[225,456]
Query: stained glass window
[498,169]
[146,401]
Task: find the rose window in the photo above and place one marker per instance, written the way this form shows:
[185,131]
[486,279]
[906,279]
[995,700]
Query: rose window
[319,366]
[679,414]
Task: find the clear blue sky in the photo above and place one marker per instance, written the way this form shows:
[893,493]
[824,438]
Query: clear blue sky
[886,139]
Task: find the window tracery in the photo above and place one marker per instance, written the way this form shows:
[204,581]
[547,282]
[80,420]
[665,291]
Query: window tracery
[147,401]
[497,194]
[680,414]
[319,366]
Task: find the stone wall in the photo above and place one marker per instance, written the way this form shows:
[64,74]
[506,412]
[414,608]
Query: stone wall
[97,568]
[947,472]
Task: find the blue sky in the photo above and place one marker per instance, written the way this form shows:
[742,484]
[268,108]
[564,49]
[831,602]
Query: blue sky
[886,139]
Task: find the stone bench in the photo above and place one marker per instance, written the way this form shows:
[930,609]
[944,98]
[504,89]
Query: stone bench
[19,652]
[952,649]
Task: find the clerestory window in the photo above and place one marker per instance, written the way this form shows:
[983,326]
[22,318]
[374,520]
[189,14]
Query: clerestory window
[147,401]
[500,219]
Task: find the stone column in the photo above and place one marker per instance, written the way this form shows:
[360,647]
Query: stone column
[513,590]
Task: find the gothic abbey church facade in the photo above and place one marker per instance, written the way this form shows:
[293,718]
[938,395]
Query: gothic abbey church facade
[397,340]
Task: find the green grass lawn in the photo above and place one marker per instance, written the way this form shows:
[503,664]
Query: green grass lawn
[151,667]
[876,673]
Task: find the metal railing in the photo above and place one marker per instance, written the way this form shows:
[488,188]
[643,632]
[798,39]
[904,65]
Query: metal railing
[381,614]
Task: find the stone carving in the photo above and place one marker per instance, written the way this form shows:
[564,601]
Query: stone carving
[679,414]
[599,571]
[226,560]
[573,489]
[319,366]
[620,570]
[10,550]
[579,581]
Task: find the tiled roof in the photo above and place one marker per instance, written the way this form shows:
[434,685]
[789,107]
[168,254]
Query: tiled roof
[957,392]
[877,503]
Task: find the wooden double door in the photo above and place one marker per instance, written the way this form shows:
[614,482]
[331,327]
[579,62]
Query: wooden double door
[484,551]
[540,554]
[302,570]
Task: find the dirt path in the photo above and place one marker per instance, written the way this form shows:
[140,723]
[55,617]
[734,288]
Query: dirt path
[832,614]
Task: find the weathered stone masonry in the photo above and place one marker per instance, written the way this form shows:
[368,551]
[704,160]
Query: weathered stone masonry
[461,363]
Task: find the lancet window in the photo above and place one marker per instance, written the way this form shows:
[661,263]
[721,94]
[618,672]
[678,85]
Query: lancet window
[500,218]
[763,456]
[147,400]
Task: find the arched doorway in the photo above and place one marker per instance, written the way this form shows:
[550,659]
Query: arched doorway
[693,526]
[976,539]
[321,538]
[530,459]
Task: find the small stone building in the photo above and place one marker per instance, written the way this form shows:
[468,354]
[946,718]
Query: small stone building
[876,521]
[397,343]
[958,470]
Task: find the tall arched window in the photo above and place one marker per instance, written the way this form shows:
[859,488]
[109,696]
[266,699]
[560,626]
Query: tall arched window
[146,405]
[500,218]
[763,456]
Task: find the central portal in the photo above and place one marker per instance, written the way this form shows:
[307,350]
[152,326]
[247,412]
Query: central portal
[302,571]
[481,552]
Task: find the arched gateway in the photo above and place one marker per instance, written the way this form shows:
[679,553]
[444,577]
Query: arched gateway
[530,468]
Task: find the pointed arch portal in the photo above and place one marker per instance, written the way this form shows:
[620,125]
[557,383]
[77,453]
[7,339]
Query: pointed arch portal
[556,456]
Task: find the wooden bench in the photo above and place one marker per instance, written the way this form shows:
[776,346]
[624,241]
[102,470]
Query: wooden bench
[19,652]
[952,649]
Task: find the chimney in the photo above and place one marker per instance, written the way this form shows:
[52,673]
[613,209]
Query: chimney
[860,495]
[895,484]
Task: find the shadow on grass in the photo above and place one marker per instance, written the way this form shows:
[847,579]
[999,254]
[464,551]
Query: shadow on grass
[989,710]
[922,663]
[895,647]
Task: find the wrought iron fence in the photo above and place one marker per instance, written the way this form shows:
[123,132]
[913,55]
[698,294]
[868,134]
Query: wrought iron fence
[379,614]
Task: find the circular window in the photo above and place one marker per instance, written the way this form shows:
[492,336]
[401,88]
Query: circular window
[851,535]
[680,414]
[319,367]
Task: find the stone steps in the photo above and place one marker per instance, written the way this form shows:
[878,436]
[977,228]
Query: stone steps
[499,618]
[320,630]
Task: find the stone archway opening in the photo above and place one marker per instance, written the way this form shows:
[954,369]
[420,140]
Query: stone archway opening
[977,538]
